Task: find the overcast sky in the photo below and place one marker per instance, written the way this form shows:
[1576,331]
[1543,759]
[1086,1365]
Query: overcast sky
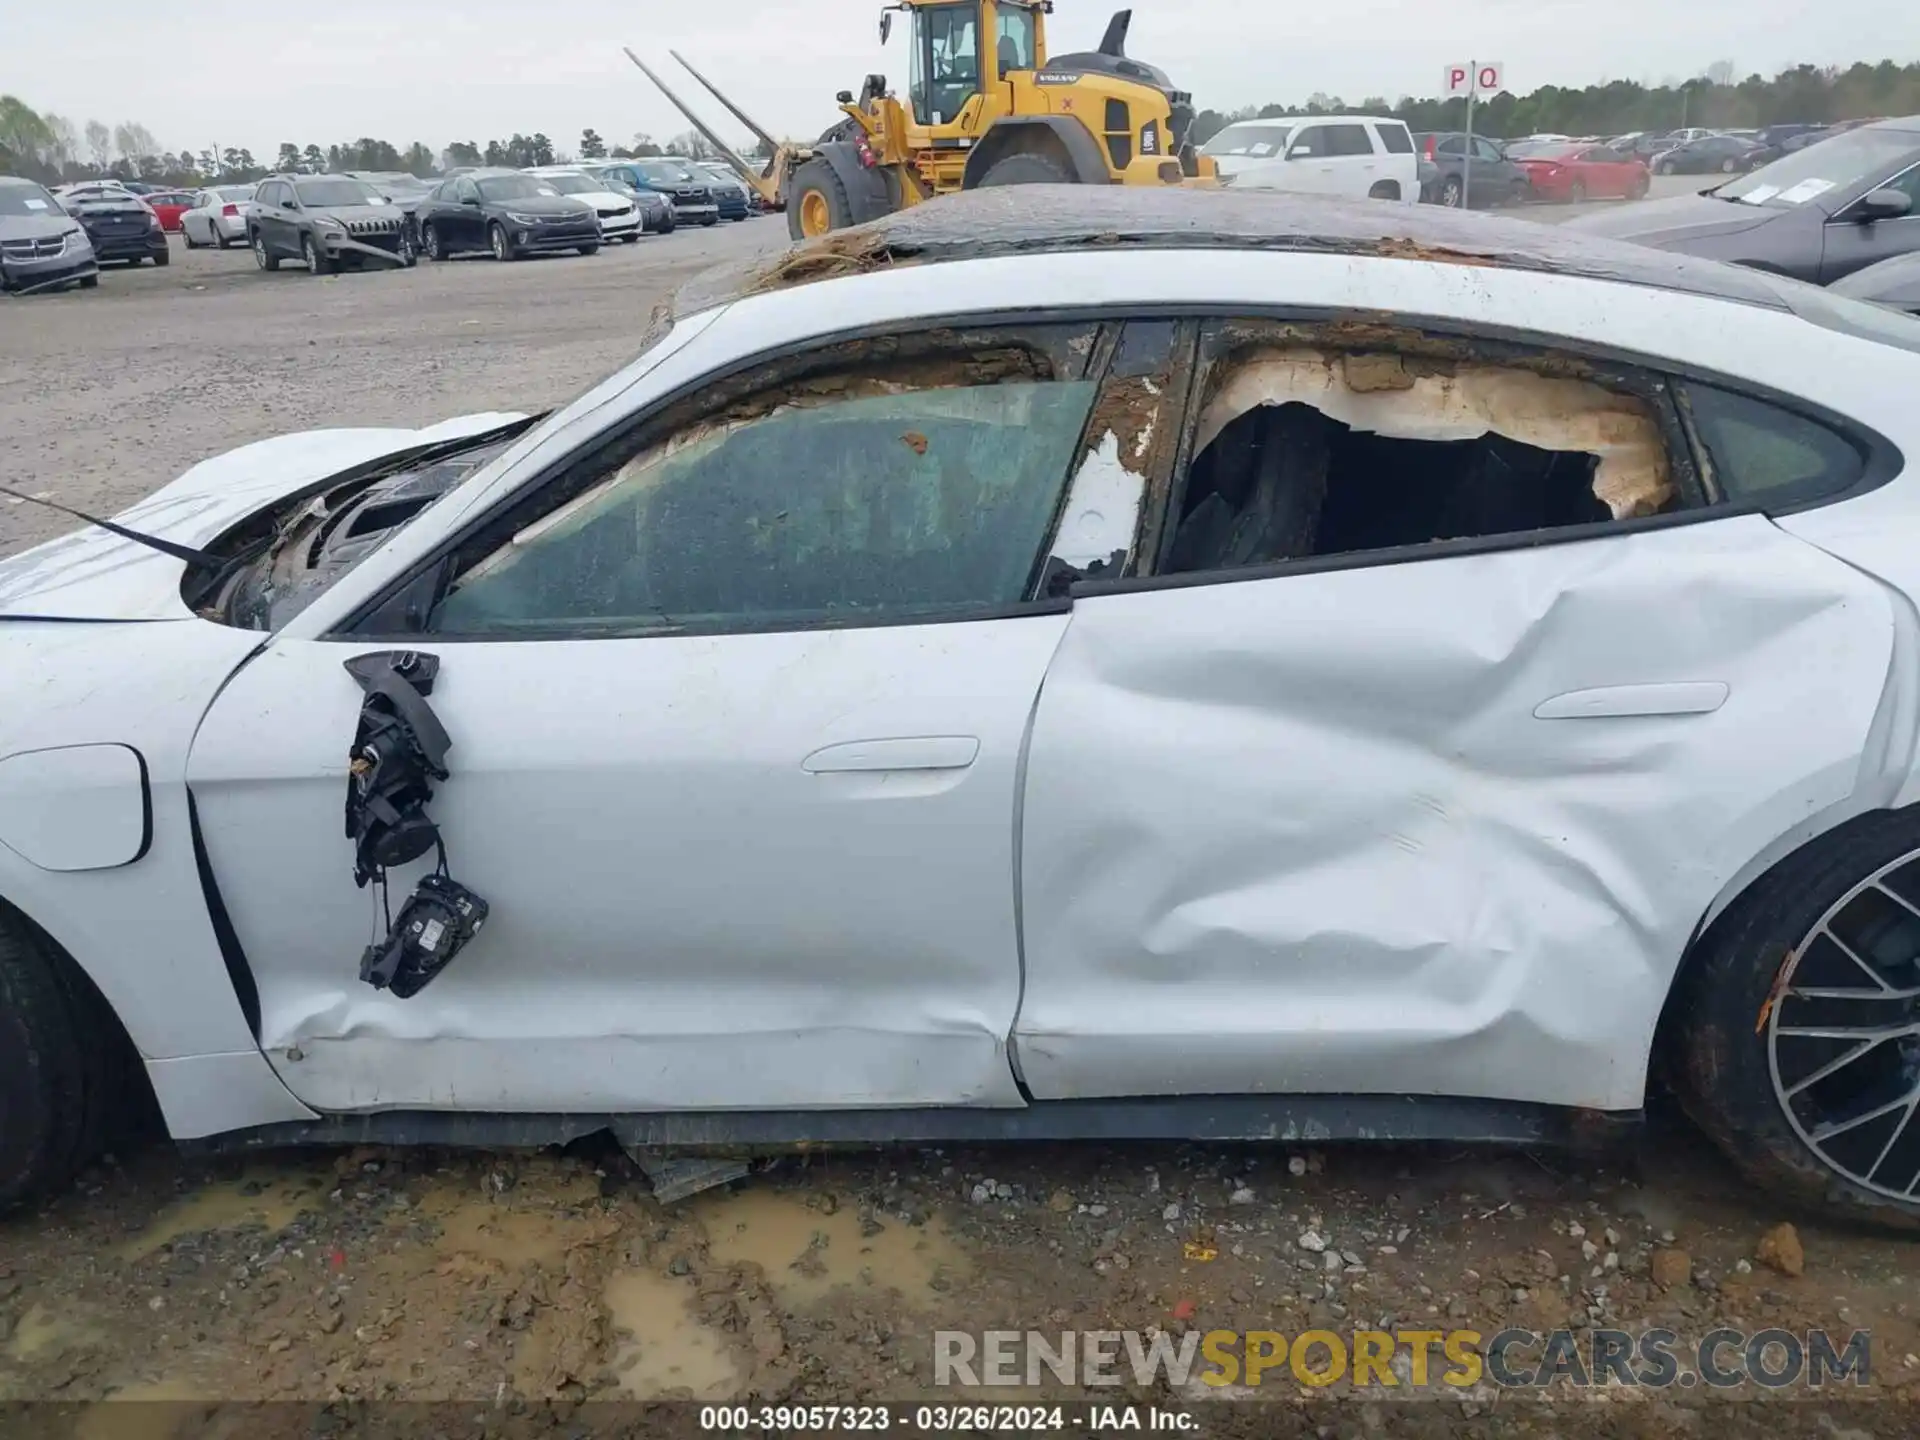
[236,72]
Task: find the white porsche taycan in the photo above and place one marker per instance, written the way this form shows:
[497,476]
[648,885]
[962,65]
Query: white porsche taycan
[1193,665]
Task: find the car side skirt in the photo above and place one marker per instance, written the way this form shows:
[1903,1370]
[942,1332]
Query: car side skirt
[1295,1119]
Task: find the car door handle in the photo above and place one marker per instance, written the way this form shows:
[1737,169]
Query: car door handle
[1688,697]
[915,752]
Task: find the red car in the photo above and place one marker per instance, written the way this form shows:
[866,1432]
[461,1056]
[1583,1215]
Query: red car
[1573,173]
[169,205]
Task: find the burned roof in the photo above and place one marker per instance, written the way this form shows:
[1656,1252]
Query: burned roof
[1038,219]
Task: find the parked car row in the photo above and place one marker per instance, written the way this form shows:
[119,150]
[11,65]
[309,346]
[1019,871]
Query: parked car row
[50,239]
[1822,213]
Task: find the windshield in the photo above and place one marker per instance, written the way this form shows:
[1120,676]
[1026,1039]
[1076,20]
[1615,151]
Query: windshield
[333,192]
[663,174]
[404,185]
[236,192]
[1539,150]
[1836,164]
[515,187]
[572,184]
[1256,140]
[27,200]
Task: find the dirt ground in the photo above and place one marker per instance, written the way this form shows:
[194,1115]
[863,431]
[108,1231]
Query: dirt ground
[528,1284]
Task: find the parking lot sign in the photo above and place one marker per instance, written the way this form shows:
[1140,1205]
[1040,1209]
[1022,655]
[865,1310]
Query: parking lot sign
[1471,79]
[1475,77]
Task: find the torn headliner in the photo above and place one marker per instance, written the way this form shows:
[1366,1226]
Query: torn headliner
[1029,219]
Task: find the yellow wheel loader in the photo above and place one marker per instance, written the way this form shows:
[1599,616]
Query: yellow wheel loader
[986,105]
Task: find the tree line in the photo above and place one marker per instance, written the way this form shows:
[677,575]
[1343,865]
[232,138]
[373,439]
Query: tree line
[1714,98]
[54,149]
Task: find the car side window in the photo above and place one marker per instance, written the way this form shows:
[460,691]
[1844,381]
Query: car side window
[465,190]
[1396,139]
[1306,448]
[846,496]
[1347,140]
[1309,142]
[1762,454]
[1485,150]
[1908,183]
[1452,145]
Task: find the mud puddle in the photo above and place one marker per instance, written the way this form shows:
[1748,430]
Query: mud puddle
[807,1251]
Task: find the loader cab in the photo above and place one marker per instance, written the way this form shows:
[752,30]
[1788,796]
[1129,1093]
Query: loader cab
[948,64]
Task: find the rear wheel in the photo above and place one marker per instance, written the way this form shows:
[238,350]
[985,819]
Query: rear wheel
[186,233]
[436,244]
[1729,165]
[1797,1025]
[161,257]
[1577,193]
[1638,190]
[817,202]
[90,282]
[1665,167]
[61,1066]
[1452,193]
[1026,169]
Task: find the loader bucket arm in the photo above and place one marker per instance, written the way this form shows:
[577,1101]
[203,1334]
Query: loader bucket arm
[766,184]
[732,109]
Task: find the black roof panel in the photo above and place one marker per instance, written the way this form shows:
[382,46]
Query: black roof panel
[1036,219]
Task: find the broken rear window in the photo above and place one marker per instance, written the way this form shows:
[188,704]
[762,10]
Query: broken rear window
[853,500]
[1304,452]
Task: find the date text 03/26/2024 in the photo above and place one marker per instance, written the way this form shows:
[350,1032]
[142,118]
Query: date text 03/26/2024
[939,1419]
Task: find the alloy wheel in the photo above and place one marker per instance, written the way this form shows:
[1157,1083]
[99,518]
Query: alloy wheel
[1843,1033]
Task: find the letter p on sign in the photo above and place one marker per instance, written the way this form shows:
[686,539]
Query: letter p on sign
[1486,77]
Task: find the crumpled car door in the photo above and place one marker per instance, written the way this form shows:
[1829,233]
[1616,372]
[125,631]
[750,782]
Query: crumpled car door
[1442,826]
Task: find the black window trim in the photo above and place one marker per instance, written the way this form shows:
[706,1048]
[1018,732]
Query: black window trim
[1884,459]
[1097,320]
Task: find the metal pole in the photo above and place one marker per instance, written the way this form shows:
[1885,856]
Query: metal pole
[1466,181]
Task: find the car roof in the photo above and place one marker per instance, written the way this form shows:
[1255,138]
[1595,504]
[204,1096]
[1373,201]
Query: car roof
[1009,220]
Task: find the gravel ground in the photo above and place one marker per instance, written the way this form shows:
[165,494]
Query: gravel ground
[519,1279]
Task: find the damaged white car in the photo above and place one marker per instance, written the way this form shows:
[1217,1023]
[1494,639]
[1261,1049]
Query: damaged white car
[996,674]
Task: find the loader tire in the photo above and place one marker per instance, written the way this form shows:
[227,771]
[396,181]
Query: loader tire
[1026,169]
[817,201]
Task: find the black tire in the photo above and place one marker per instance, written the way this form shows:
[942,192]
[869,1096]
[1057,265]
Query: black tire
[262,256]
[667,225]
[409,252]
[1577,193]
[1026,168]
[317,261]
[1638,190]
[90,282]
[589,249]
[162,258]
[497,242]
[706,220]
[815,192]
[1729,165]
[1452,193]
[59,1064]
[186,234]
[1718,1037]
[435,243]
[1519,193]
